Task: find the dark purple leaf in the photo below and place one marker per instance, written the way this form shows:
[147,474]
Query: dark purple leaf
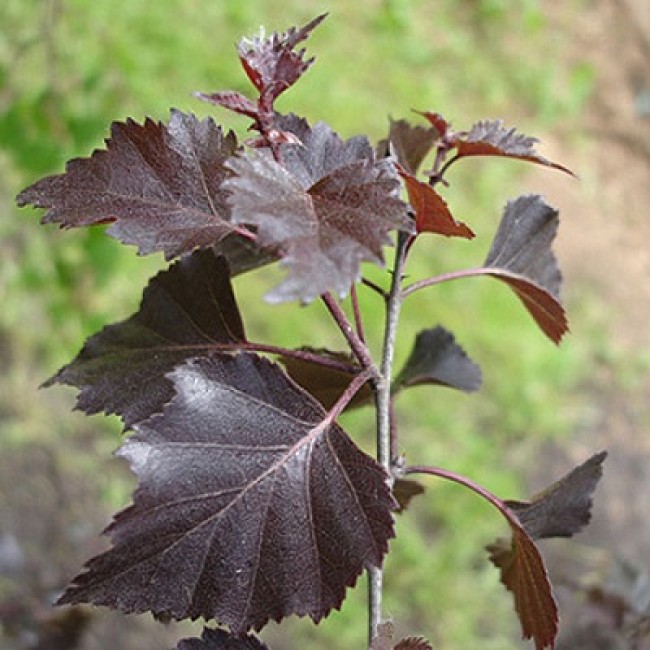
[221,640]
[324,383]
[250,505]
[436,358]
[564,508]
[521,256]
[523,573]
[431,211]
[242,254]
[187,310]
[409,144]
[328,208]
[491,138]
[322,152]
[273,64]
[159,186]
[559,511]
[404,490]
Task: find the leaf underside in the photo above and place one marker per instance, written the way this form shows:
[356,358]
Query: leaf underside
[431,211]
[524,574]
[491,138]
[187,310]
[561,510]
[249,507]
[159,186]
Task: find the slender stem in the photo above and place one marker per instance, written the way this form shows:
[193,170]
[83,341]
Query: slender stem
[375,287]
[348,394]
[245,233]
[394,447]
[301,355]
[357,346]
[354,297]
[393,307]
[385,443]
[445,277]
[440,175]
[468,483]
[343,401]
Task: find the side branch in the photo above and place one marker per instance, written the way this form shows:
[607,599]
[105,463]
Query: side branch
[358,347]
[468,483]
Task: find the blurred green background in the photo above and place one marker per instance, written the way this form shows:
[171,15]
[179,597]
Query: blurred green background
[70,67]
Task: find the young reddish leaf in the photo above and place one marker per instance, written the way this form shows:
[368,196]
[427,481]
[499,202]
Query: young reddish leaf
[329,207]
[408,143]
[437,121]
[232,100]
[160,186]
[414,643]
[524,574]
[521,256]
[564,508]
[404,490]
[559,511]
[272,64]
[221,640]
[431,211]
[491,138]
[436,358]
[251,505]
[323,383]
[185,311]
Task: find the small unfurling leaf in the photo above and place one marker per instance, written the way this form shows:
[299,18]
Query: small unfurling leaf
[232,100]
[437,121]
[159,186]
[273,64]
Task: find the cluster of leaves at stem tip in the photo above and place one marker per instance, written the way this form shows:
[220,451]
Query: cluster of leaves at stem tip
[253,503]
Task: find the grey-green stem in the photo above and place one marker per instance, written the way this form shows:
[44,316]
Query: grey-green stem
[383,405]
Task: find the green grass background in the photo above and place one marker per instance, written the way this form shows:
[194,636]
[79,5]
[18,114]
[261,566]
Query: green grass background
[70,67]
